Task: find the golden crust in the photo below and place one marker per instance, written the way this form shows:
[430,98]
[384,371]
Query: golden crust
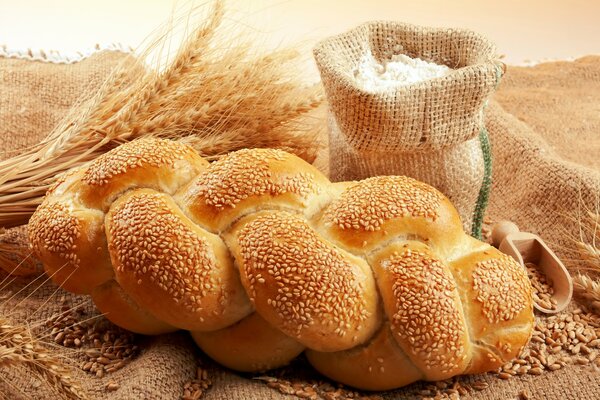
[368,204]
[500,288]
[249,180]
[379,365]
[380,209]
[319,295]
[159,164]
[497,298]
[180,273]
[121,310]
[260,256]
[422,301]
[250,345]
[72,244]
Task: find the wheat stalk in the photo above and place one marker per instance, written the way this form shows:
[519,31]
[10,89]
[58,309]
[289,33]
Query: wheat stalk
[587,243]
[19,347]
[586,254]
[590,255]
[588,290]
[589,258]
[217,94]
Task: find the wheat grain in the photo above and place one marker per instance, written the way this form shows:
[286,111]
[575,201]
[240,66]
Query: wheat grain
[524,395]
[542,287]
[112,386]
[195,388]
[314,389]
[108,348]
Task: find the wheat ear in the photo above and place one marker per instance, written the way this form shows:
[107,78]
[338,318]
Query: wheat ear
[19,347]
[218,94]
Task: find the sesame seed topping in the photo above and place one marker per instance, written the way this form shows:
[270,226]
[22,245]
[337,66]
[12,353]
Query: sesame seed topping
[135,154]
[315,283]
[246,173]
[55,229]
[428,312]
[368,204]
[502,287]
[148,239]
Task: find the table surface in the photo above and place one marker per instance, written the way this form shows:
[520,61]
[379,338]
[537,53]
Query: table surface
[523,30]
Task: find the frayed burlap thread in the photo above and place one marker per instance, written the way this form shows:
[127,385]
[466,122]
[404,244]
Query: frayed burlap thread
[431,130]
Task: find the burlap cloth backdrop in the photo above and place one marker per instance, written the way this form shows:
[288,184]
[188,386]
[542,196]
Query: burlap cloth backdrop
[545,163]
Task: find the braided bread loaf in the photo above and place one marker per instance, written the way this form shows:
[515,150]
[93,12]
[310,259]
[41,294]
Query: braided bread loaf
[262,258]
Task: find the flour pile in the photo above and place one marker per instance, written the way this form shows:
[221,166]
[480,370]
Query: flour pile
[401,70]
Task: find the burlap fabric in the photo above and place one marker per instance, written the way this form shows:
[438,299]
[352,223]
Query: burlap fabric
[537,181]
[36,95]
[432,130]
[546,148]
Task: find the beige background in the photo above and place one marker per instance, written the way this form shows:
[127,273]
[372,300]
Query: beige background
[523,29]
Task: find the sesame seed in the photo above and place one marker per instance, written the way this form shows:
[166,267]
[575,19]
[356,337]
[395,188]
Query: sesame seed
[366,205]
[427,309]
[52,228]
[134,154]
[502,287]
[142,225]
[332,295]
[228,181]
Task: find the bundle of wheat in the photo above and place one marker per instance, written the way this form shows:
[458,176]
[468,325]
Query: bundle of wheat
[217,94]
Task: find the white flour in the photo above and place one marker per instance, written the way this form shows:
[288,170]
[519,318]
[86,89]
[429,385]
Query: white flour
[399,71]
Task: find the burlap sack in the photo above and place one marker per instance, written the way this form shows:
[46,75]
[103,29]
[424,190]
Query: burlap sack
[432,130]
[536,200]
